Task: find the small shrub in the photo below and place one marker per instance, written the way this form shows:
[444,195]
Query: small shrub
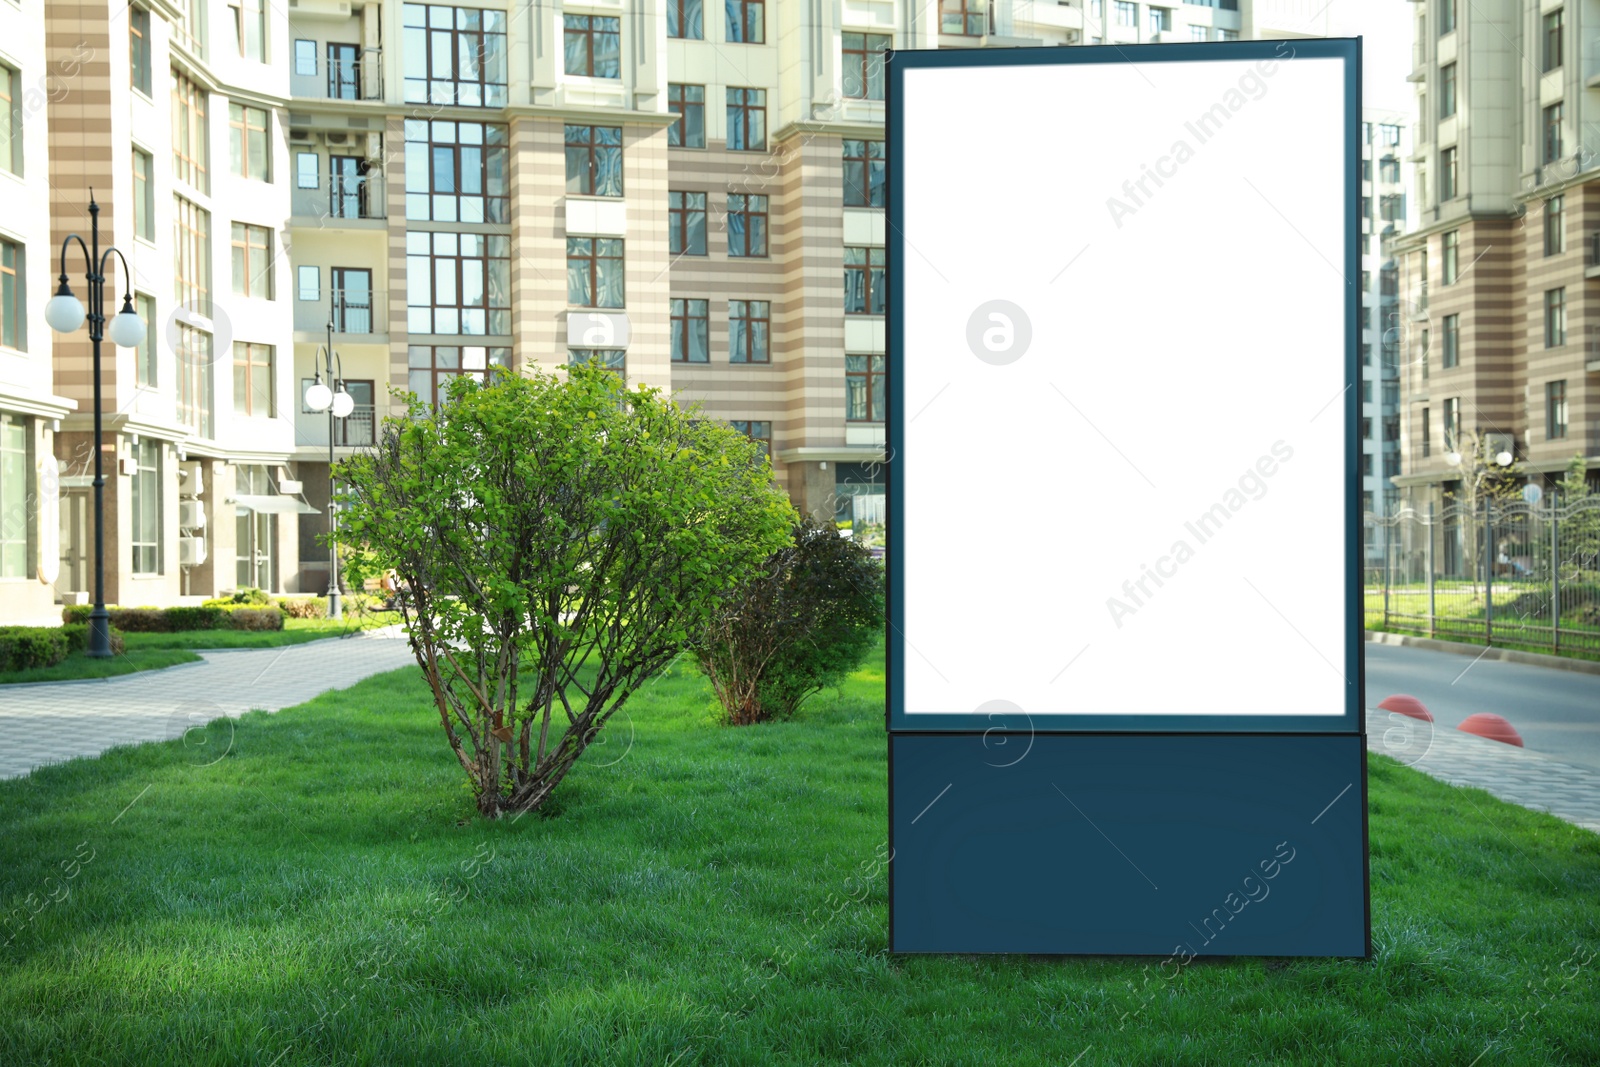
[77,634]
[26,647]
[76,613]
[304,607]
[268,618]
[196,618]
[800,626]
[250,595]
[140,620]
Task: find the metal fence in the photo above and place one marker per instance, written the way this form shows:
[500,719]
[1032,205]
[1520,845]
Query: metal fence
[1523,575]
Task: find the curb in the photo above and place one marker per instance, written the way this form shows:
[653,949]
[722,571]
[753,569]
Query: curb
[201,662]
[1505,655]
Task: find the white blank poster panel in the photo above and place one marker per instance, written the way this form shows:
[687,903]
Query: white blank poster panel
[1142,513]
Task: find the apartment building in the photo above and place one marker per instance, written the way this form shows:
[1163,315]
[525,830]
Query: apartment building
[1501,275]
[392,194]
[31,407]
[1385,143]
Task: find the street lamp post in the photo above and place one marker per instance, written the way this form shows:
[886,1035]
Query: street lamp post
[65,314]
[338,404]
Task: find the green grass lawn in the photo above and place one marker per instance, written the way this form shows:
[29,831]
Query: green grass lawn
[324,894]
[145,652]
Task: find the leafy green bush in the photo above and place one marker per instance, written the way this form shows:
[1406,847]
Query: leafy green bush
[268,618]
[248,595]
[26,647]
[77,634]
[304,607]
[140,620]
[800,626]
[196,618]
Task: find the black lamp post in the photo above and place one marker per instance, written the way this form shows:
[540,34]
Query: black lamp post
[65,314]
[338,404]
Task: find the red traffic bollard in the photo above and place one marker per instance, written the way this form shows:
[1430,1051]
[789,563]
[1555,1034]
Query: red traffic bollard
[1406,705]
[1491,726]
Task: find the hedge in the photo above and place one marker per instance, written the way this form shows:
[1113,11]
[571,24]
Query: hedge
[25,647]
[182,618]
[78,638]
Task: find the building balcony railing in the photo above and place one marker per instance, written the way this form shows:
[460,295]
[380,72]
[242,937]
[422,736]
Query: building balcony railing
[343,197]
[355,429]
[351,311]
[357,75]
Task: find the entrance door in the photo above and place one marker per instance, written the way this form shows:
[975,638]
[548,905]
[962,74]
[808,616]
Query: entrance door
[74,576]
[348,187]
[344,72]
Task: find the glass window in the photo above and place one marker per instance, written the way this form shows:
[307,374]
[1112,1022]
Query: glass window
[462,285]
[863,173]
[749,331]
[593,45]
[1450,246]
[1451,356]
[1553,38]
[594,160]
[305,57]
[864,280]
[432,367]
[1555,318]
[863,64]
[1447,90]
[144,195]
[614,360]
[759,432]
[1127,14]
[866,383]
[747,224]
[247,142]
[10,120]
[144,357]
[309,282]
[1447,173]
[686,223]
[1555,410]
[249,18]
[747,21]
[1447,16]
[963,18]
[344,72]
[684,20]
[1160,19]
[145,501]
[190,141]
[255,541]
[1555,234]
[307,170]
[252,261]
[350,296]
[254,383]
[139,49]
[747,120]
[691,330]
[192,256]
[688,103]
[456,171]
[594,272]
[194,351]
[1552,132]
[16,504]
[453,55]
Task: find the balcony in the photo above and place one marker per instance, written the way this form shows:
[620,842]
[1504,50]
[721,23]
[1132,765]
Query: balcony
[345,72]
[340,199]
[358,311]
[356,429]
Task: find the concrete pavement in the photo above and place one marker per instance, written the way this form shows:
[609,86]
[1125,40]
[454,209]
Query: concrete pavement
[55,721]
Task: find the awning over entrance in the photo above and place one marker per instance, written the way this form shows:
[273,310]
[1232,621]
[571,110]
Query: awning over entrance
[273,505]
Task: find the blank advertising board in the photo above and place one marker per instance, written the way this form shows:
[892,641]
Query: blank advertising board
[1125,676]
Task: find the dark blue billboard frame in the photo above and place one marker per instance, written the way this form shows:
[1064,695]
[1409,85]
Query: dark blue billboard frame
[1352,720]
[949,880]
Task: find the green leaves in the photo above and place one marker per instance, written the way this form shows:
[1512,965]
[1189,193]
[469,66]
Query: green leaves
[562,536]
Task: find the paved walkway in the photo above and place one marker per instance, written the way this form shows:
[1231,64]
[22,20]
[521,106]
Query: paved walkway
[1514,774]
[56,721]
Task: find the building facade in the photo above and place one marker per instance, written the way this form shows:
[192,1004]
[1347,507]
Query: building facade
[1500,277]
[1385,140]
[689,193]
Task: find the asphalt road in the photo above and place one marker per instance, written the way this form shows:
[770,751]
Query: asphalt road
[1557,712]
